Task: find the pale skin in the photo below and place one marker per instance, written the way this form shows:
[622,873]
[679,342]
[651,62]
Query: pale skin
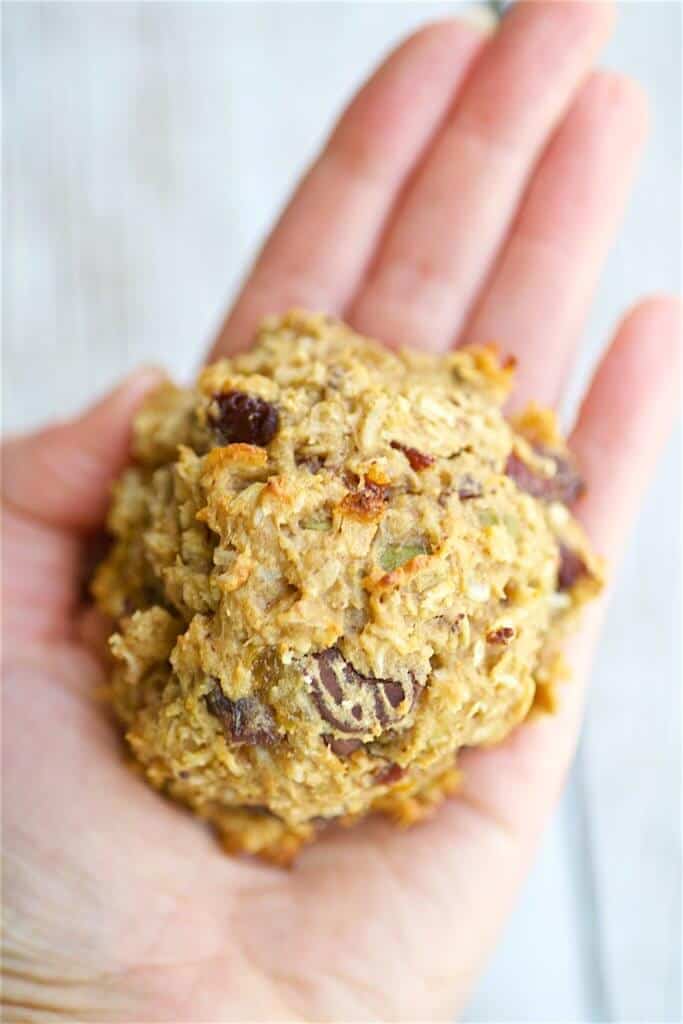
[469,193]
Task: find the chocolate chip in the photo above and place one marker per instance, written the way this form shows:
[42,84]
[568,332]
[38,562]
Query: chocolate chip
[353,703]
[572,567]
[566,485]
[394,693]
[246,720]
[501,635]
[389,774]
[342,748]
[469,488]
[237,417]
[418,460]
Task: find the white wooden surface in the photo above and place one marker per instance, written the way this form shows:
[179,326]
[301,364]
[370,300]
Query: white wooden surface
[146,149]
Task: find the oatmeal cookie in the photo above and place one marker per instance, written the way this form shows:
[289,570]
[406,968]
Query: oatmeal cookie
[334,565]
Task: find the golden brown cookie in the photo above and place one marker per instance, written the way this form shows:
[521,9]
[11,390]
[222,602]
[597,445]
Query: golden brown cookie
[335,565]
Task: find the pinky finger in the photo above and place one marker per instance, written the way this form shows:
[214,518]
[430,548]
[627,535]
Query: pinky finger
[626,418]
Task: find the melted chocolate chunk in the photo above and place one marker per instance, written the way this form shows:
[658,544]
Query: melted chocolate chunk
[418,460]
[565,486]
[342,748]
[572,568]
[237,417]
[353,703]
[246,720]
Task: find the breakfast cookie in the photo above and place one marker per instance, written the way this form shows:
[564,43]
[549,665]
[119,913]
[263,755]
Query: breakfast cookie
[333,566]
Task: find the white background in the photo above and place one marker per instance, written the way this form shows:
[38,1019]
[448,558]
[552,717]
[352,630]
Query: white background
[146,149]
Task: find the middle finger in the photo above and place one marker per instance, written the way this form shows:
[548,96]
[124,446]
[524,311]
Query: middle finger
[455,215]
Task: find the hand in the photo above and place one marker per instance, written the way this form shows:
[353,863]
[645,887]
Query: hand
[469,193]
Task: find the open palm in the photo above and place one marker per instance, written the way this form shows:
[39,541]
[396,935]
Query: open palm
[469,193]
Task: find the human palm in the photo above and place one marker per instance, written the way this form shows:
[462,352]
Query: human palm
[469,193]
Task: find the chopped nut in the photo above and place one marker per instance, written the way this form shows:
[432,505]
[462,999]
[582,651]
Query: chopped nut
[500,635]
[418,460]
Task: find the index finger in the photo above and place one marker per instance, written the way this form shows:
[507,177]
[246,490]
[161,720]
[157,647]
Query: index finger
[327,235]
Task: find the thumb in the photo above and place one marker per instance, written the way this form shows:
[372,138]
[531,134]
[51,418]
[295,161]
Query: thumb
[61,475]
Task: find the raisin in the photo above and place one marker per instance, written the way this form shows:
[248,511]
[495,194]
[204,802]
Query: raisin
[565,486]
[418,460]
[237,417]
[501,635]
[246,720]
[572,567]
[469,488]
[353,703]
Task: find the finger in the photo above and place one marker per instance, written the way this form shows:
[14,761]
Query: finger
[456,214]
[60,476]
[536,300]
[623,424]
[490,830]
[326,236]
[626,418]
[93,629]
[39,579]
